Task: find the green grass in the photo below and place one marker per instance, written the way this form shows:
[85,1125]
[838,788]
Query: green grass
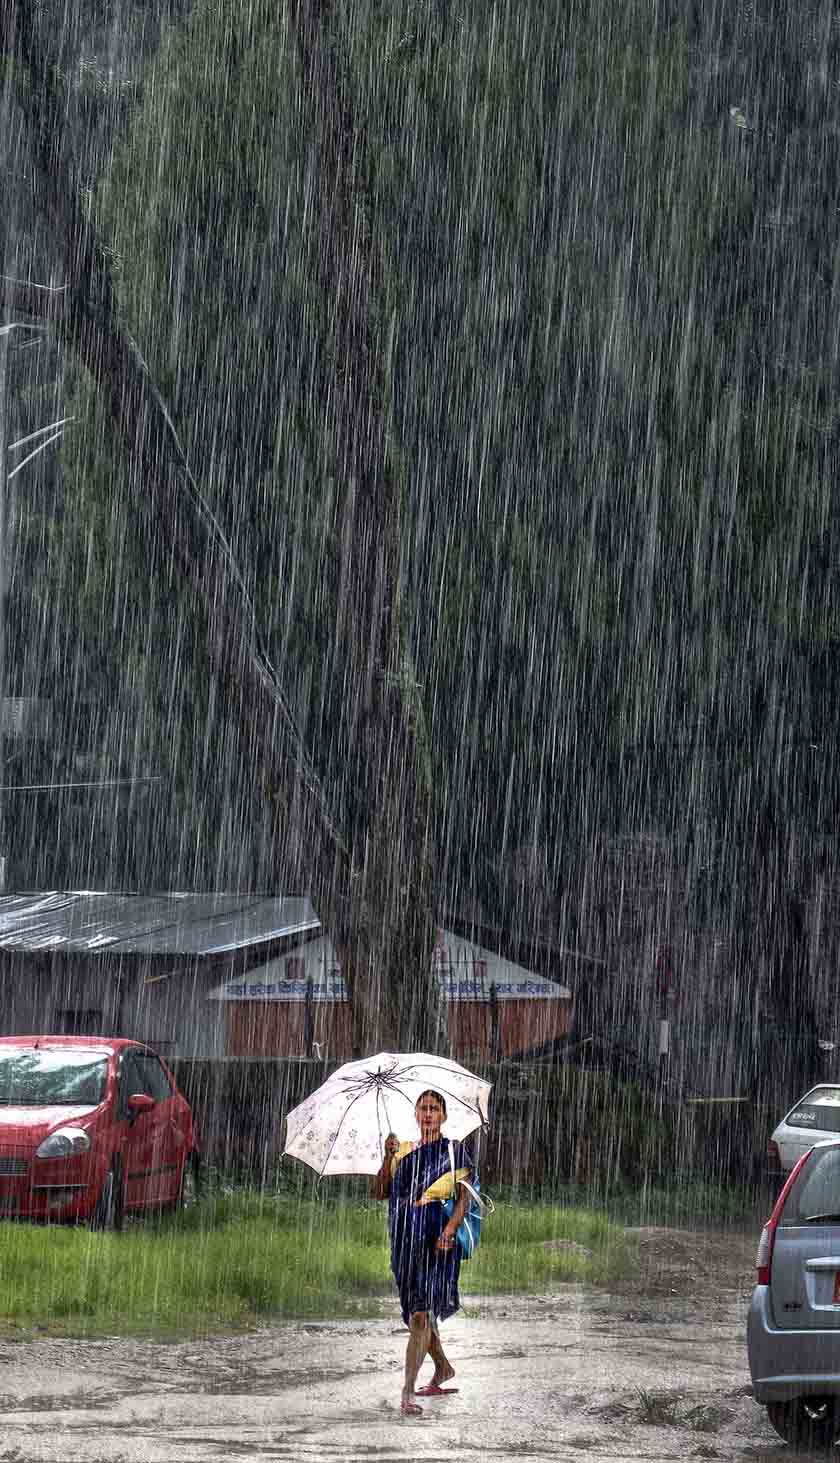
[533,1247]
[687,1203]
[236,1260]
[693,1203]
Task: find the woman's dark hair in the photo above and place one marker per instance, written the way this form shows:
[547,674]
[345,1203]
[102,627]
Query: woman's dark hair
[430,1092]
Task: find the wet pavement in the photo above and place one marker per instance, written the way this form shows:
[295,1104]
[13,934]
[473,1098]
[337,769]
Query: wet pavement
[656,1370]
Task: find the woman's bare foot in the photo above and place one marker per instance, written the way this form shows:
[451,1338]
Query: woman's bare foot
[435,1388]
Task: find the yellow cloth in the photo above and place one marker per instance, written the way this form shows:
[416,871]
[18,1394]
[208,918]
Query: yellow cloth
[444,1187]
[402,1152]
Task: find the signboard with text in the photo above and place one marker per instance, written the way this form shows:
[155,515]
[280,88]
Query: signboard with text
[466,972]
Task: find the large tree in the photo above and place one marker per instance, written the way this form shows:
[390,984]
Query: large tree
[369,873]
[563,281]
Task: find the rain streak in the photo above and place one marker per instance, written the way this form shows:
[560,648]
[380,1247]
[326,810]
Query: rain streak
[419,696]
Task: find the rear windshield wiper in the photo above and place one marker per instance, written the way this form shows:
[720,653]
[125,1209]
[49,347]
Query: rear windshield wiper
[821,1219]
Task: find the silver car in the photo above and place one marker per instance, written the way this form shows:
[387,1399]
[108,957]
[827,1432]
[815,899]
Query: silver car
[793,1331]
[813,1117]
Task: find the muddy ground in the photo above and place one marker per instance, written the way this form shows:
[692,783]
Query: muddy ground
[655,1370]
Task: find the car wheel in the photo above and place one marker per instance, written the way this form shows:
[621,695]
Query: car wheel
[807,1422]
[189,1192]
[108,1213]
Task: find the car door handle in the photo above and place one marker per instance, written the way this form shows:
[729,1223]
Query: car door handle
[823,1264]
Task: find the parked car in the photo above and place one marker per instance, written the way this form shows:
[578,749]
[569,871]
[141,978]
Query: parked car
[814,1117]
[793,1329]
[90,1129]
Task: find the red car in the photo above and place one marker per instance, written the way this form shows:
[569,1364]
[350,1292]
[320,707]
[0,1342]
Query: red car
[90,1129]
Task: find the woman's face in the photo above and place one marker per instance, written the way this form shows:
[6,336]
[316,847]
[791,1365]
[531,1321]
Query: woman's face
[429,1114]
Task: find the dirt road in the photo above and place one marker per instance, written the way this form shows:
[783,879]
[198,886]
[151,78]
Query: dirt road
[656,1370]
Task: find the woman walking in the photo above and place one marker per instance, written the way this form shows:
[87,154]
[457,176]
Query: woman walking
[425,1260]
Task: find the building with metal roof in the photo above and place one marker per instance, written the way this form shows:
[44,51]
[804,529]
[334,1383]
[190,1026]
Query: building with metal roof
[219,976]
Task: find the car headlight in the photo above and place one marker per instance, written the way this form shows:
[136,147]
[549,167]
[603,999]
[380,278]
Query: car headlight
[63,1142]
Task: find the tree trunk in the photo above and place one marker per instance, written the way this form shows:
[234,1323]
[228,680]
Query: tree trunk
[385,750]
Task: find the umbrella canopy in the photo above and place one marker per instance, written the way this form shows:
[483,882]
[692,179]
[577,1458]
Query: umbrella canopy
[341,1127]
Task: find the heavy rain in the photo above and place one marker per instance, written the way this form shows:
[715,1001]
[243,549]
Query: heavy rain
[419,634]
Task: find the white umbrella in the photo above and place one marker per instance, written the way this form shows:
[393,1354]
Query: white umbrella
[342,1126]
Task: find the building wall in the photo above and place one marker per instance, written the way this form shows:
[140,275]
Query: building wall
[523,1025]
[172,1013]
[166,1004]
[277,1028]
[52,993]
[157,1001]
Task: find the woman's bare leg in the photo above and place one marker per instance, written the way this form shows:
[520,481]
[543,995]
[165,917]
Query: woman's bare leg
[419,1333]
[444,1369]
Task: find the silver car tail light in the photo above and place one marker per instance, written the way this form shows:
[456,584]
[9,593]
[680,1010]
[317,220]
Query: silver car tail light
[764,1257]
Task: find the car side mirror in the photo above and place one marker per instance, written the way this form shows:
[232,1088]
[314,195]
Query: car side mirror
[139,1102]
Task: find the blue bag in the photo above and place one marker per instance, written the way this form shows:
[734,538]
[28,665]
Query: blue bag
[468,1233]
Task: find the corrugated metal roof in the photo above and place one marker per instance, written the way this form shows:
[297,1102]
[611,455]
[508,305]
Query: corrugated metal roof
[148,924]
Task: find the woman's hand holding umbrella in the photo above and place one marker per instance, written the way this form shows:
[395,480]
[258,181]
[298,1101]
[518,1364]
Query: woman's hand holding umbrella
[382,1183]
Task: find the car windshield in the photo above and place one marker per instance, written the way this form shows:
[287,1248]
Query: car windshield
[819,1110]
[815,1192]
[50,1077]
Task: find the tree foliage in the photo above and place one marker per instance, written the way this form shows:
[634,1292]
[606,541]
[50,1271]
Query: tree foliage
[604,313]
